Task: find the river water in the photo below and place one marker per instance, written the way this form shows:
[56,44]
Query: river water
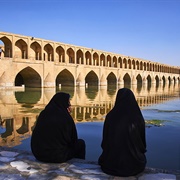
[160,107]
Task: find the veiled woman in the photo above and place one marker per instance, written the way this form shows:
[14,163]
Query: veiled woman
[54,138]
[124,142]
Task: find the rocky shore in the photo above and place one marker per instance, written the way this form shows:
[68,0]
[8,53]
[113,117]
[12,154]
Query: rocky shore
[21,165]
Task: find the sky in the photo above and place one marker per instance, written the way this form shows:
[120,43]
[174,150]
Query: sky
[147,29]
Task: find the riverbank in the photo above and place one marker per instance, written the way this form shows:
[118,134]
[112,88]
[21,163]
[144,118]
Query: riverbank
[21,165]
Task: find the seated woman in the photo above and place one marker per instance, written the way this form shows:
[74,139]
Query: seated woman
[124,143]
[54,138]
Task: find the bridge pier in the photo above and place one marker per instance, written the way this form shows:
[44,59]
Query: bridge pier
[144,82]
[103,83]
[134,81]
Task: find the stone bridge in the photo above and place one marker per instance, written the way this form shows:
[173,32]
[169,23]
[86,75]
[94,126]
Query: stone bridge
[34,62]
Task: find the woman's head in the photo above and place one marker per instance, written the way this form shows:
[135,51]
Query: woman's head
[61,99]
[125,96]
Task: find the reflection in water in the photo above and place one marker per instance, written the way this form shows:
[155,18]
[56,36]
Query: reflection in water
[89,104]
[91,92]
[69,89]
[111,90]
[24,127]
[9,128]
[29,96]
[19,110]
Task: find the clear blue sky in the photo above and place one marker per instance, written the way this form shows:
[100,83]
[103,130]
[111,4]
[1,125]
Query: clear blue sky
[147,29]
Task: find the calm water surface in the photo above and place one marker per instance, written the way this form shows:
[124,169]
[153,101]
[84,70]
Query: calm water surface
[161,106]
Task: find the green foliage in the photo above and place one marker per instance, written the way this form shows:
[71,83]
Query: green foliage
[155,122]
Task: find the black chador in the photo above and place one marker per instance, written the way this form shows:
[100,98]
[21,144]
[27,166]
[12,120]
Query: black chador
[54,138]
[124,143]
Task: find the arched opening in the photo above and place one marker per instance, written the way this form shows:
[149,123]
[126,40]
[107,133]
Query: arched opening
[6,45]
[157,82]
[91,79]
[95,59]
[114,61]
[174,81]
[108,61]
[21,49]
[120,62]
[71,55]
[163,82]
[148,82]
[64,78]
[137,65]
[65,82]
[88,58]
[169,79]
[141,65]
[139,82]
[79,57]
[127,81]
[102,60]
[133,64]
[36,51]
[61,54]
[48,53]
[111,79]
[111,83]
[28,77]
[125,63]
[129,64]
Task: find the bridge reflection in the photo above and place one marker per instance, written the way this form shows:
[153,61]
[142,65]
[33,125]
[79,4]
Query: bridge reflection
[19,110]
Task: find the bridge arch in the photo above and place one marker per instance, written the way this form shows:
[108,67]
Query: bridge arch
[79,57]
[102,60]
[125,63]
[120,62]
[95,59]
[88,58]
[108,60]
[129,64]
[174,80]
[35,51]
[71,55]
[157,80]
[65,78]
[137,65]
[127,80]
[28,77]
[92,79]
[48,53]
[21,49]
[60,54]
[115,62]
[170,80]
[139,80]
[163,81]
[133,64]
[149,80]
[7,46]
[111,79]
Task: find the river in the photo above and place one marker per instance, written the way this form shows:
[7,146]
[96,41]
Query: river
[160,107]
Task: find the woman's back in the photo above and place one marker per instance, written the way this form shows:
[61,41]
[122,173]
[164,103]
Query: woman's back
[123,143]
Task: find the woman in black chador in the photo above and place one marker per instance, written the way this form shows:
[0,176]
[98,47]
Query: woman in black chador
[54,138]
[124,142]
